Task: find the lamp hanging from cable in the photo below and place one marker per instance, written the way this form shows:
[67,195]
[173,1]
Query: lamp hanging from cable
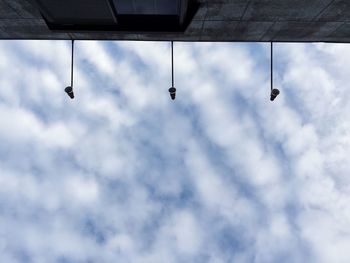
[172,89]
[69,89]
[274,92]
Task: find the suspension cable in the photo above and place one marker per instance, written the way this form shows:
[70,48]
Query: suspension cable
[271,69]
[71,69]
[172,64]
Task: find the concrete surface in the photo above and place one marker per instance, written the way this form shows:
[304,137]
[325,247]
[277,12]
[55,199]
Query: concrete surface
[216,20]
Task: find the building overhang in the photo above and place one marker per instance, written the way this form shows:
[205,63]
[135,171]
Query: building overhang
[206,20]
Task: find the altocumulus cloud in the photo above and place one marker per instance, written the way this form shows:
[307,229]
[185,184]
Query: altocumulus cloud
[124,174]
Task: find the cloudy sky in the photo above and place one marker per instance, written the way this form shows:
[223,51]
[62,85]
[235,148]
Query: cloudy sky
[221,174]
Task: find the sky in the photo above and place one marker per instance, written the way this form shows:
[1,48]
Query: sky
[124,174]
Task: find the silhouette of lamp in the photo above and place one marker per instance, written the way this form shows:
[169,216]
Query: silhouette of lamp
[172,89]
[274,92]
[69,89]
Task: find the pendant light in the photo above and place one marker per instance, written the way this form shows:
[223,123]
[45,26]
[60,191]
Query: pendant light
[69,89]
[274,92]
[172,89]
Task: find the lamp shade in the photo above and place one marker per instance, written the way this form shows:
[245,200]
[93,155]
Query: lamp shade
[69,91]
[172,92]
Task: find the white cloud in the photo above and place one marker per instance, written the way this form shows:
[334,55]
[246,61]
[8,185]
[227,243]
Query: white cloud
[218,175]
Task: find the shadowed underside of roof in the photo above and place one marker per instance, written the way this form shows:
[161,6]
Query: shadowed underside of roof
[221,20]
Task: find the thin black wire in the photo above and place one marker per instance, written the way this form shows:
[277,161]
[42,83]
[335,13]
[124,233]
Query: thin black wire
[172,64]
[271,69]
[71,69]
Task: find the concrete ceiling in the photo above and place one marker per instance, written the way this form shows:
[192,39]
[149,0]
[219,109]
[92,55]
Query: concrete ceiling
[216,20]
